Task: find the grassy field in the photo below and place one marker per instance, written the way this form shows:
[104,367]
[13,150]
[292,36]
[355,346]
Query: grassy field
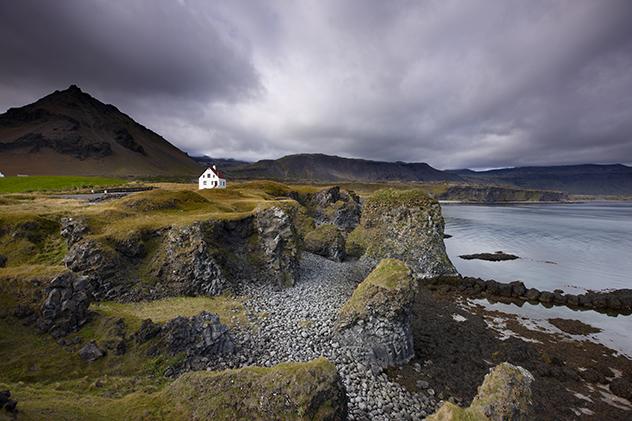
[43,183]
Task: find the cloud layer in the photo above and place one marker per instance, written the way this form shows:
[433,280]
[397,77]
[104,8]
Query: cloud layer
[452,83]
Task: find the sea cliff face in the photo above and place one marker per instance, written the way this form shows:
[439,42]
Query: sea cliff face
[491,194]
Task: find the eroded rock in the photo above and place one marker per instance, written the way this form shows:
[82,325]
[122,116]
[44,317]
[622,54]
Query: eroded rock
[405,225]
[378,314]
[327,241]
[73,229]
[505,395]
[65,308]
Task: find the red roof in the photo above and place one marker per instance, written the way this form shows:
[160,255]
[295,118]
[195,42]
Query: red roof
[217,172]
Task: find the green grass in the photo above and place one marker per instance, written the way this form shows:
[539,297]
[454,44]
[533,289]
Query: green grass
[44,183]
[230,310]
[388,285]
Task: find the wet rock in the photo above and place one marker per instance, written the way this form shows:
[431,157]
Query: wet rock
[622,387]
[546,297]
[91,352]
[574,327]
[65,308]
[73,230]
[498,256]
[533,294]
[327,241]
[148,330]
[518,289]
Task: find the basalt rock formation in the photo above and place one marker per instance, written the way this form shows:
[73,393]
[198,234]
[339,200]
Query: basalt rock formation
[327,241]
[378,315]
[505,395]
[405,225]
[341,208]
[65,309]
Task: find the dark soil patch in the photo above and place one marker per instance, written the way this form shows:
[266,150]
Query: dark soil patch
[499,256]
[574,327]
[453,357]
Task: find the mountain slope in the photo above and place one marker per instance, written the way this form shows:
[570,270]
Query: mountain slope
[319,167]
[71,133]
[574,179]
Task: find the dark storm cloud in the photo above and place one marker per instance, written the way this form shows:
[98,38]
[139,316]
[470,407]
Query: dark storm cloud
[452,83]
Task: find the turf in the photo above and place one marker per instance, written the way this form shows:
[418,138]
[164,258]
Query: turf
[55,183]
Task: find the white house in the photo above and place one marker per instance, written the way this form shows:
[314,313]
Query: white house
[212,178]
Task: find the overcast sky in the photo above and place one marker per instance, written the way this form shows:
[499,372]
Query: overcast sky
[476,84]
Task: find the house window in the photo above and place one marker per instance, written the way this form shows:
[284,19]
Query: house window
[204,182]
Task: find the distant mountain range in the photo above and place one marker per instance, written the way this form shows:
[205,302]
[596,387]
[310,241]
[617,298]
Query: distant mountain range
[575,179]
[71,133]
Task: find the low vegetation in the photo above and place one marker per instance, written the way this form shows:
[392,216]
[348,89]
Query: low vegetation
[56,183]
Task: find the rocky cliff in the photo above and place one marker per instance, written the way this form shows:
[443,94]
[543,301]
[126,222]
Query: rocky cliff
[497,194]
[406,225]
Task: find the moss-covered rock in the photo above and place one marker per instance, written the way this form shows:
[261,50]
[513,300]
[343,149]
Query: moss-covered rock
[505,395]
[407,225]
[378,314]
[334,205]
[327,241]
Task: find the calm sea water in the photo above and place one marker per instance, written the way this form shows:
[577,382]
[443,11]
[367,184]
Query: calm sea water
[573,247]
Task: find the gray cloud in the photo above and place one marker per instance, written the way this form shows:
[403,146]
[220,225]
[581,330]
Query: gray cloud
[455,84]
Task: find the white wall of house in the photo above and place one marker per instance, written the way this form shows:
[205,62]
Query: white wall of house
[210,180]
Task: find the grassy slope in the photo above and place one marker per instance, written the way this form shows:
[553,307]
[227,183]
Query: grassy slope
[43,183]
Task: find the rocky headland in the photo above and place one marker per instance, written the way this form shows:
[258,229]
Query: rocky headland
[268,302]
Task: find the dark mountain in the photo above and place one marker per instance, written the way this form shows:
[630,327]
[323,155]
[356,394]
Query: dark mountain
[206,161]
[325,168]
[574,179]
[71,133]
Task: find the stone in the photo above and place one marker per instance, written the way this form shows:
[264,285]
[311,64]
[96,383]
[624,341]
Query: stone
[505,395]
[327,241]
[533,294]
[148,330]
[335,206]
[65,308]
[405,225]
[546,297]
[622,387]
[3,261]
[201,335]
[91,352]
[73,229]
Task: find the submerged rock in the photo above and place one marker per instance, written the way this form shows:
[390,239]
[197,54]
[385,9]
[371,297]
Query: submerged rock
[378,315]
[498,256]
[505,395]
[406,225]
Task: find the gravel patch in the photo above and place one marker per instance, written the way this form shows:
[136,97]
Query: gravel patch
[297,324]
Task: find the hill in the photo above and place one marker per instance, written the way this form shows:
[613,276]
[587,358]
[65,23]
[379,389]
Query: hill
[71,133]
[325,168]
[574,179]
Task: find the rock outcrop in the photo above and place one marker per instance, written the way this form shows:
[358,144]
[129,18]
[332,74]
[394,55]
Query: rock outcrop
[406,225]
[505,395]
[290,391]
[201,336]
[327,241]
[378,315]
[73,230]
[188,267]
[91,352]
[100,263]
[65,308]
[335,206]
[278,244]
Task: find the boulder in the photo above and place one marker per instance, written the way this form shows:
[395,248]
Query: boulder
[73,230]
[65,308]
[91,352]
[378,315]
[201,335]
[148,330]
[533,294]
[505,395]
[335,206]
[406,225]
[327,241]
